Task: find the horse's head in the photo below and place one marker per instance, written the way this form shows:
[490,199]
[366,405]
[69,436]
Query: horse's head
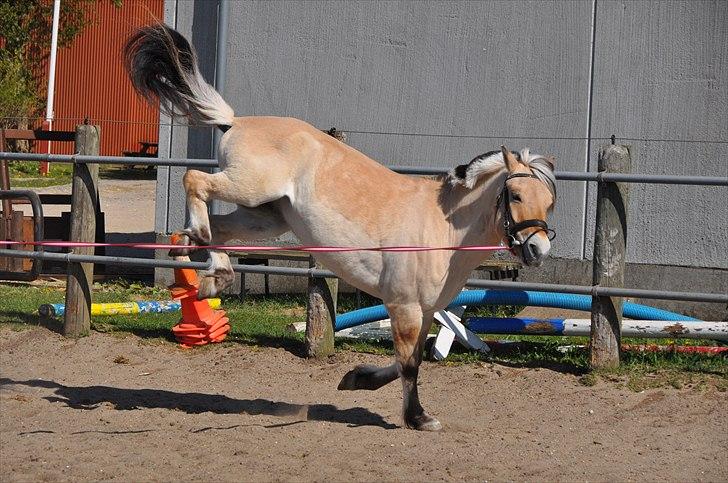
[526,196]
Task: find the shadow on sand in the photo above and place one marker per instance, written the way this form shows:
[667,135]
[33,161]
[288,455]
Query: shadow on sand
[90,397]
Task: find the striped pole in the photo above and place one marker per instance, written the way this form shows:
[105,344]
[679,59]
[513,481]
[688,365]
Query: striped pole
[652,329]
[123,308]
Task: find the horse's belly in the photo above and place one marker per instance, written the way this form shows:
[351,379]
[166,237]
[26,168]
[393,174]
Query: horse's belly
[361,269]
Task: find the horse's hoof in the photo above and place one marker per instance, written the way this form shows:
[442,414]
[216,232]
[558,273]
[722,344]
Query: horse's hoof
[348,382]
[183,240]
[357,378]
[214,283]
[207,289]
[200,236]
[179,252]
[423,422]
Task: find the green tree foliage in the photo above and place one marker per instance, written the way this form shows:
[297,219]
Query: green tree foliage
[18,95]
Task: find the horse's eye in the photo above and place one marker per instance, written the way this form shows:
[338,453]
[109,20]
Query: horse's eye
[516,197]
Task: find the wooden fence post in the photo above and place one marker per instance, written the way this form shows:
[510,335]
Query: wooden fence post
[610,239]
[321,315]
[321,306]
[84,205]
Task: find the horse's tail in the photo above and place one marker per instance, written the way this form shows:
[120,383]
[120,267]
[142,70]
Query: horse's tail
[163,65]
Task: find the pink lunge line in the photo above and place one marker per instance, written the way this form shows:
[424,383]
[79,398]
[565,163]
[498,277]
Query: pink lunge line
[250,248]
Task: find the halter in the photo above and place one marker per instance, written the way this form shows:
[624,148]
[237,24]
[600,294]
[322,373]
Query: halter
[512,228]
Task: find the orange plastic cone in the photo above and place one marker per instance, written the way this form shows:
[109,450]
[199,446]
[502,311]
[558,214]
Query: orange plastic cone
[199,324]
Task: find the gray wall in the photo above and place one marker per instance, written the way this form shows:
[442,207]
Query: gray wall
[468,76]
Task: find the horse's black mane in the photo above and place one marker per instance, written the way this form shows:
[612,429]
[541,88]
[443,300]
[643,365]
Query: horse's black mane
[462,170]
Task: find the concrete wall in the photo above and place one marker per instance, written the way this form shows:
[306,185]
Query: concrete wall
[436,83]
[661,72]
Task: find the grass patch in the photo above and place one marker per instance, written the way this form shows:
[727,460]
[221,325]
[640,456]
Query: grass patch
[263,321]
[257,321]
[640,371]
[24,174]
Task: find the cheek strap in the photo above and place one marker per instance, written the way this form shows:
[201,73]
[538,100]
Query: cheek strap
[509,226]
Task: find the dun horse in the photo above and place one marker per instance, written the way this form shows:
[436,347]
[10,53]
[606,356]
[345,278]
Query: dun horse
[285,175]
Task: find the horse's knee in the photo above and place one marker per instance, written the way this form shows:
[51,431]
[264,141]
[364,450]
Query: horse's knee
[198,232]
[195,183]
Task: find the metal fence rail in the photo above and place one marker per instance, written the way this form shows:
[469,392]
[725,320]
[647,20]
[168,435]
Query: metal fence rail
[130,160]
[317,273]
[211,163]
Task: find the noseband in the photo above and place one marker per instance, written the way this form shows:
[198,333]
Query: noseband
[512,228]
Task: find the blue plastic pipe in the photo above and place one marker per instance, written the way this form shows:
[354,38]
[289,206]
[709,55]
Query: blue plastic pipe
[516,297]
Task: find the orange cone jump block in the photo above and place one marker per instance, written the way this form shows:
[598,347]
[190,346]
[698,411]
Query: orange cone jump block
[199,324]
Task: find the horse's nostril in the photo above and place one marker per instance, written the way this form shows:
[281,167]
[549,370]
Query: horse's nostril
[535,250]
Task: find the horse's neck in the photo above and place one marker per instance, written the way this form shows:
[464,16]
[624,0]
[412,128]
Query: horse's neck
[474,220]
[473,213]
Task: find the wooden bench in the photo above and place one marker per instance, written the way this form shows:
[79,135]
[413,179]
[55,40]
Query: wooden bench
[148,149]
[145,151]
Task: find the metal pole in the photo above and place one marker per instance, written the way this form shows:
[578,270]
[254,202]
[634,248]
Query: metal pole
[48,124]
[212,163]
[309,272]
[223,10]
[52,62]
[82,159]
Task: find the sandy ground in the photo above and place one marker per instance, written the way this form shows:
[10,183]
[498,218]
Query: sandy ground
[128,204]
[126,409]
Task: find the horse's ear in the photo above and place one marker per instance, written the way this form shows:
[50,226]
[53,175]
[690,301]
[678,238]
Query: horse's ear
[510,159]
[551,160]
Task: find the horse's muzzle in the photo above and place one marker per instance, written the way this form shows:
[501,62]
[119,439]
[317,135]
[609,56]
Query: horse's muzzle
[535,250]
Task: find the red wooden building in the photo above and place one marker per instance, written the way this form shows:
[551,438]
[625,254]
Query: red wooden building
[91,81]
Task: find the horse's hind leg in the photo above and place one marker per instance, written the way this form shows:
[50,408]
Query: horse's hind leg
[199,188]
[256,219]
[368,377]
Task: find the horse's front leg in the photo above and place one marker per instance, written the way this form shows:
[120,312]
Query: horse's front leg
[259,221]
[243,224]
[199,188]
[409,330]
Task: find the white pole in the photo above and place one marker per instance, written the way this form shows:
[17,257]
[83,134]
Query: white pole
[52,66]
[648,329]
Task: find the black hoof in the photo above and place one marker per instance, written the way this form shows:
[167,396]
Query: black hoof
[357,378]
[184,242]
[423,422]
[179,252]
